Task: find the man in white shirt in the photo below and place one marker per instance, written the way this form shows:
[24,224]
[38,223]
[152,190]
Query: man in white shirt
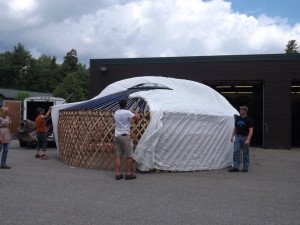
[124,145]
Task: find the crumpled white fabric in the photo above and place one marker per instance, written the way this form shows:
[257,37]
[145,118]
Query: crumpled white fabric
[190,125]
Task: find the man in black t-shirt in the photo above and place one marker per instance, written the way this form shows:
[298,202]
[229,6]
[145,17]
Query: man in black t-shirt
[242,134]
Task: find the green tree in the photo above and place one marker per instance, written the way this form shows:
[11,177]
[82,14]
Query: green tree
[291,47]
[44,75]
[70,85]
[83,77]
[54,68]
[19,70]
[6,80]
[21,96]
[21,66]
[71,60]
[79,72]
[70,63]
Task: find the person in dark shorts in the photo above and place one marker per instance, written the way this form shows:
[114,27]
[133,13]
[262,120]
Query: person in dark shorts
[123,142]
[241,135]
[41,135]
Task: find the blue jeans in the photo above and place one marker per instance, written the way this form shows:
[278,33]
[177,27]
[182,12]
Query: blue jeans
[4,153]
[42,141]
[239,143]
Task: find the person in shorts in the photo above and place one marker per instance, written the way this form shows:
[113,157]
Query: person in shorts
[41,135]
[123,142]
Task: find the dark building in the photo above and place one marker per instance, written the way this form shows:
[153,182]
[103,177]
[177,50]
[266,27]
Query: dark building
[268,84]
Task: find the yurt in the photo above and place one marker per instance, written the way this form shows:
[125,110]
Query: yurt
[185,126]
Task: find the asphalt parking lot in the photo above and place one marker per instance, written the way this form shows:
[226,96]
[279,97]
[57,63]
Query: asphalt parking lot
[36,191]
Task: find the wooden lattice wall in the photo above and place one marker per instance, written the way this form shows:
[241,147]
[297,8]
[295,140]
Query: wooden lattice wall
[86,137]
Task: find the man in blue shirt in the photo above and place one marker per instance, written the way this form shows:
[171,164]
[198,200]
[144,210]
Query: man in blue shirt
[242,134]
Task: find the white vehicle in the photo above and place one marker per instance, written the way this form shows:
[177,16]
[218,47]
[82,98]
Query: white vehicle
[27,127]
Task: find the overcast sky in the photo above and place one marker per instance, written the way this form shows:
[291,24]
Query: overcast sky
[148,28]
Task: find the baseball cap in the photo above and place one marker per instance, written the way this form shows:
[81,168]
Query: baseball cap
[40,109]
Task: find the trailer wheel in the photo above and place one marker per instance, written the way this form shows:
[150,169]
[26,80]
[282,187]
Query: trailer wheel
[23,144]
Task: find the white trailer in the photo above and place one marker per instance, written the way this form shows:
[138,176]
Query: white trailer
[32,103]
[27,127]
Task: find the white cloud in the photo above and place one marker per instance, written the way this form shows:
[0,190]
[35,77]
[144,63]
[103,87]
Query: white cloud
[21,6]
[145,28]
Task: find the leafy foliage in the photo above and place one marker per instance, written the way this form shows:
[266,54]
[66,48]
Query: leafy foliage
[22,95]
[20,71]
[6,78]
[291,47]
[21,67]
[69,86]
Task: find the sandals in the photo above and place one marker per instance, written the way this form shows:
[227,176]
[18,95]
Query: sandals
[44,157]
[127,177]
[130,177]
[119,177]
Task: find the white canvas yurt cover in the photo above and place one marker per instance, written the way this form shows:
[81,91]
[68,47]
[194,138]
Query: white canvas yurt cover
[189,129]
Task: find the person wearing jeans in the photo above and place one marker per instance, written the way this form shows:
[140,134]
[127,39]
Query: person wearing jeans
[5,136]
[241,135]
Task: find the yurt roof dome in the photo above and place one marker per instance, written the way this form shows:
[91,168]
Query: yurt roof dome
[111,102]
